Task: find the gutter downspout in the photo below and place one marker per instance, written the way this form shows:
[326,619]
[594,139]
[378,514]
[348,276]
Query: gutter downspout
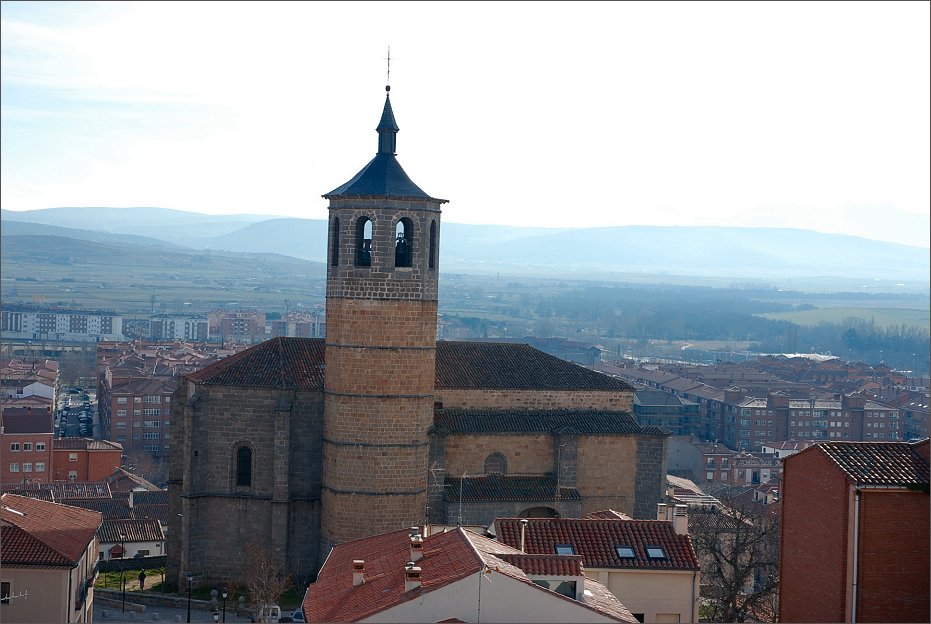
[70,597]
[856,556]
[694,583]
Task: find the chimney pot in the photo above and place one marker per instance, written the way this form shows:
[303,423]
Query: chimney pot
[416,548]
[358,572]
[411,576]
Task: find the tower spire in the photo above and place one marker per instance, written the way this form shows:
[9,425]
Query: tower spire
[387,126]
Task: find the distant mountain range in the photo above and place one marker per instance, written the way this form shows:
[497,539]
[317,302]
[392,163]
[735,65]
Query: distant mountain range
[761,254]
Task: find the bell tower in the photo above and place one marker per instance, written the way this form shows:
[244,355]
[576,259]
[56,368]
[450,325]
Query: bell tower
[381,313]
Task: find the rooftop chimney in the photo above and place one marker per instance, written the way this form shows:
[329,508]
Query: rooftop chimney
[523,533]
[411,576]
[680,521]
[416,548]
[358,572]
[662,511]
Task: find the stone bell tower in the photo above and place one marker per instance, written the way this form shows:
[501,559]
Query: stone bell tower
[381,313]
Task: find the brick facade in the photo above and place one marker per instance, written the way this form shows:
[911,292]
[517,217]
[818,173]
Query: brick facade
[819,553]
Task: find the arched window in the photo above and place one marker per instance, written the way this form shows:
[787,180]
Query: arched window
[334,252]
[364,242]
[496,463]
[539,512]
[433,244]
[244,467]
[404,243]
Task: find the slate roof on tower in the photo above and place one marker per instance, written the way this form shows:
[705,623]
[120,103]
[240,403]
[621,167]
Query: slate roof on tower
[383,176]
[298,364]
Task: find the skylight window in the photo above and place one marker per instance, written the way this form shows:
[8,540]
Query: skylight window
[625,552]
[565,549]
[656,552]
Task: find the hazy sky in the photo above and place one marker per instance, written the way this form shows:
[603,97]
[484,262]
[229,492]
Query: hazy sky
[809,115]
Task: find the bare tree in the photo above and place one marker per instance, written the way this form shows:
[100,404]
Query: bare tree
[738,546]
[264,581]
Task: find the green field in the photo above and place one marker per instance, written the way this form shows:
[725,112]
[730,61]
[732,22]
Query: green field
[882,317]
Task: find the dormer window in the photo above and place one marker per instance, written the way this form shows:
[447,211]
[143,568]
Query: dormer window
[656,552]
[625,552]
[565,549]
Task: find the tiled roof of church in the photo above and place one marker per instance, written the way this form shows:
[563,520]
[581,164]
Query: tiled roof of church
[539,421]
[298,363]
[513,366]
[280,363]
[495,487]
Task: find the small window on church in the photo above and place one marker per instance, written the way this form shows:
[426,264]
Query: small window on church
[433,245]
[334,253]
[244,467]
[496,464]
[404,243]
[364,242]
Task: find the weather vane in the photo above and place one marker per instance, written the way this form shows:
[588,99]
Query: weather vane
[388,80]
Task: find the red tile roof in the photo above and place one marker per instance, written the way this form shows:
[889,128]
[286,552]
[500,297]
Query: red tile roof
[447,557]
[596,541]
[546,565]
[40,533]
[282,363]
[892,464]
[298,363]
[607,514]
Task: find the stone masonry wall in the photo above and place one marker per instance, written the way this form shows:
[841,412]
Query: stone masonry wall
[525,454]
[612,400]
[606,473]
[651,475]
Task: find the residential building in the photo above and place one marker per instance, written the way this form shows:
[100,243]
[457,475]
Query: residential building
[168,327]
[84,459]
[663,409]
[128,538]
[855,533]
[49,554]
[21,321]
[454,576]
[26,439]
[237,327]
[649,565]
[300,325]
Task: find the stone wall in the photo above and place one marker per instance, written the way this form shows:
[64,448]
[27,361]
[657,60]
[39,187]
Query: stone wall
[525,454]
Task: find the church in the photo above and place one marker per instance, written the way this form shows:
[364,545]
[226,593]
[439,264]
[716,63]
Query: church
[299,444]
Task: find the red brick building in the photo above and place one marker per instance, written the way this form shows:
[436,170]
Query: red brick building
[84,459]
[26,436]
[855,525]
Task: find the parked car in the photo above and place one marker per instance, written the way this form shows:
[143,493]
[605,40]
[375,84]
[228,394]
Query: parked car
[298,615]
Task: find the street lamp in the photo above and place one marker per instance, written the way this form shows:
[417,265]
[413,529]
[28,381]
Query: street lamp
[225,592]
[123,567]
[190,579]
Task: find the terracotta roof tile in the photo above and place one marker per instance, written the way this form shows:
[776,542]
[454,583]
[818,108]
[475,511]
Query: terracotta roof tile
[37,532]
[546,565]
[134,530]
[540,421]
[282,363]
[596,541]
[607,514]
[447,557]
[487,488]
[894,464]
